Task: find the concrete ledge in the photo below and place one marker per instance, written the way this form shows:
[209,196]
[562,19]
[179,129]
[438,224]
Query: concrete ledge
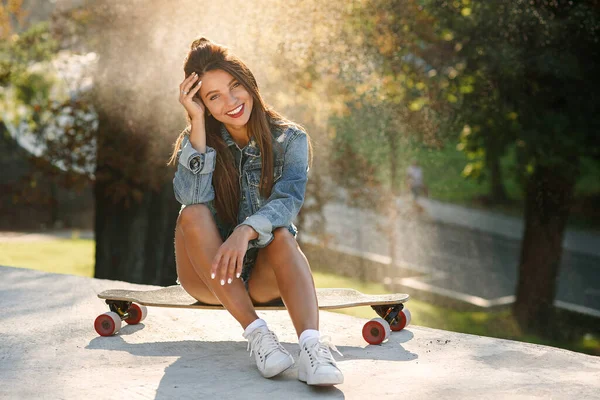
[50,350]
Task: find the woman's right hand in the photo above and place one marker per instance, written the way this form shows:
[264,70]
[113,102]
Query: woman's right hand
[192,105]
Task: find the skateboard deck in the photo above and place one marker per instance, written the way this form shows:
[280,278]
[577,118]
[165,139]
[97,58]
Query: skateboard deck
[130,306]
[175,296]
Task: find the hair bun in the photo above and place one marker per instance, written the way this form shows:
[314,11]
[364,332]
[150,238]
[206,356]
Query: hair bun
[199,42]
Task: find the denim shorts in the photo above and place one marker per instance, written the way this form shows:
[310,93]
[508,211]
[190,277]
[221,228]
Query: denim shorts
[250,259]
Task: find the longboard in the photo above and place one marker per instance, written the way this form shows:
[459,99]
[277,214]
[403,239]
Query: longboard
[130,306]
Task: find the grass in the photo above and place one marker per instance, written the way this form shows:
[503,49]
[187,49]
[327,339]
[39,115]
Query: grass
[442,169]
[76,257]
[62,256]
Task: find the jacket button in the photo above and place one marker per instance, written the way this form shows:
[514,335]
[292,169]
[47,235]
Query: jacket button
[194,163]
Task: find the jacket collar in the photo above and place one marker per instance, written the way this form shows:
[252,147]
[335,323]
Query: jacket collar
[250,149]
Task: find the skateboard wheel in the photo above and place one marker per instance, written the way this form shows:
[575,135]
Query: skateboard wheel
[136,313]
[404,318]
[376,331]
[107,324]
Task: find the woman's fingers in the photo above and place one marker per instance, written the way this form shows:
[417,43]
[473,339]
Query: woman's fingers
[186,86]
[227,265]
[195,89]
[214,268]
[222,272]
[186,82]
[192,95]
[231,268]
[189,79]
[240,265]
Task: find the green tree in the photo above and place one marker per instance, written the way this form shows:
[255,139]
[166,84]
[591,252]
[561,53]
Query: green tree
[539,62]
[510,75]
[57,125]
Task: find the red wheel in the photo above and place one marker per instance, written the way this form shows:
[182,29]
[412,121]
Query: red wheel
[376,331]
[403,320]
[136,313]
[107,324]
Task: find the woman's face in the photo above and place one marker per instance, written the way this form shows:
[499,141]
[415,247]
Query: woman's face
[226,98]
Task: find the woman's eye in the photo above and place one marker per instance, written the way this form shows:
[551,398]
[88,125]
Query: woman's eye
[214,97]
[236,84]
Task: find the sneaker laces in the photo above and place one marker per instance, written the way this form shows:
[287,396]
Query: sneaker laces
[321,350]
[270,343]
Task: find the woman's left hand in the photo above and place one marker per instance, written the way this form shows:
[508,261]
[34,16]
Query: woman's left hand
[229,259]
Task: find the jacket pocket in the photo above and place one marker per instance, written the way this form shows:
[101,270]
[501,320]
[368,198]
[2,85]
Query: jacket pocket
[253,175]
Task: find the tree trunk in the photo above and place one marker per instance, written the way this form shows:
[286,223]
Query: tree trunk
[493,151]
[136,243]
[548,199]
[497,190]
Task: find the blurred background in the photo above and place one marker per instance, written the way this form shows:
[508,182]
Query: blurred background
[457,150]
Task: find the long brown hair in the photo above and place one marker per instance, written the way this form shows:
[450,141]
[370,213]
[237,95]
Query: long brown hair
[205,56]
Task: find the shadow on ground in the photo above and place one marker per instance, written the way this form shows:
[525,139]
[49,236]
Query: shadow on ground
[212,368]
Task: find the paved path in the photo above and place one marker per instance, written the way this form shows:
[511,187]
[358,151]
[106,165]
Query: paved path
[472,262]
[50,350]
[577,241]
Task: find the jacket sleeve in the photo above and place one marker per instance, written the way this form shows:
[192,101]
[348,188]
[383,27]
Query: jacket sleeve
[287,195]
[192,183]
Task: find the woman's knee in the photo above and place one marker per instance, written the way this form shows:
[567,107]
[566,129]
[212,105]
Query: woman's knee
[197,237]
[283,237]
[282,247]
[192,215]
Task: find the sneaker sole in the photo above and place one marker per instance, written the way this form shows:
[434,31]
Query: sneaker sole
[285,364]
[315,382]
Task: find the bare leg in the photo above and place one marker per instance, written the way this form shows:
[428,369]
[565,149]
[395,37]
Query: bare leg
[192,283]
[198,236]
[282,269]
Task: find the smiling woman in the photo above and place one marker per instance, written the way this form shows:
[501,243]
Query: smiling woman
[241,178]
[215,93]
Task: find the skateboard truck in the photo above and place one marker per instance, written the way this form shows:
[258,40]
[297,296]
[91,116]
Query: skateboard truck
[390,314]
[109,323]
[119,307]
[392,318]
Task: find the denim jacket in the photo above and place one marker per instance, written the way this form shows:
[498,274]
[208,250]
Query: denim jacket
[193,182]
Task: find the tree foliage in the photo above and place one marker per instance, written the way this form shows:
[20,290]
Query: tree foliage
[388,91]
[527,70]
[53,120]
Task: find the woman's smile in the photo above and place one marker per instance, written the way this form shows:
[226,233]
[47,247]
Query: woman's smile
[237,112]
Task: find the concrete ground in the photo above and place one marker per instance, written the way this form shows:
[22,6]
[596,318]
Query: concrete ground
[49,350]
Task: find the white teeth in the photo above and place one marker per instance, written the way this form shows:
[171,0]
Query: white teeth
[237,110]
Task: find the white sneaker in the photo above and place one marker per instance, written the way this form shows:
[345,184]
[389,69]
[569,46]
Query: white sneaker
[271,357]
[316,365]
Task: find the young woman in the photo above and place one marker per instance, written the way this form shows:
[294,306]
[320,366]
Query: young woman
[241,179]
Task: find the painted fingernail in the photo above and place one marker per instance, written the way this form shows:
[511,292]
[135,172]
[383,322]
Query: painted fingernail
[212,276]
[229,281]
[222,282]
[238,275]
